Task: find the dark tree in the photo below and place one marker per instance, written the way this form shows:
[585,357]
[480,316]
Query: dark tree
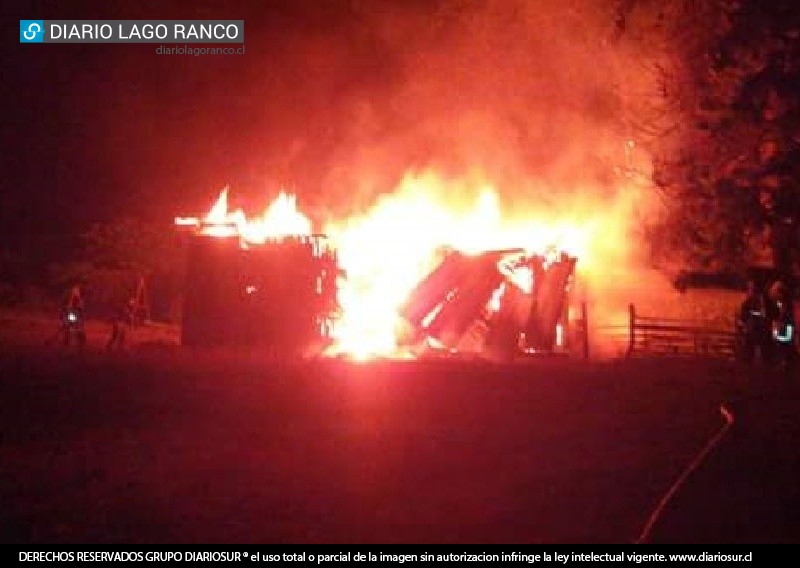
[762,51]
[728,167]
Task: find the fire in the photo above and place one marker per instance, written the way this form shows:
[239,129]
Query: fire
[219,211]
[386,251]
[280,219]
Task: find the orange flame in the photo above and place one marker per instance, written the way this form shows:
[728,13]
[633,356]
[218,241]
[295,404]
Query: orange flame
[280,219]
[386,251]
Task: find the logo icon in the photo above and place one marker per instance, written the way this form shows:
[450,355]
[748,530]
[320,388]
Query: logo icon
[31,31]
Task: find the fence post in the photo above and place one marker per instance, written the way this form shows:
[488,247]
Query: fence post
[631,328]
[585,318]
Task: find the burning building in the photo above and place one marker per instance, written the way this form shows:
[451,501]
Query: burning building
[271,282]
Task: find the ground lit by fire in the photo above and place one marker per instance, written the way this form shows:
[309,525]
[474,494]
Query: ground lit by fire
[385,251]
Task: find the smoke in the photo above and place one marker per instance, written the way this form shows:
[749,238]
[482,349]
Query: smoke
[515,90]
[526,97]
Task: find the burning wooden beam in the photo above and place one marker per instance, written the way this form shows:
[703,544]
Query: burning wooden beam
[508,323]
[435,287]
[548,302]
[471,296]
[512,295]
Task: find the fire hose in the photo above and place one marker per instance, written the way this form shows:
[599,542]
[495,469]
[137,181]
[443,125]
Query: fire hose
[692,466]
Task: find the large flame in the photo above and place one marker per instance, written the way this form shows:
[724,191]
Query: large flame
[387,250]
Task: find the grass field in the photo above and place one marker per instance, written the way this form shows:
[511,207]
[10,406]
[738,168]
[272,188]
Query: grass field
[31,329]
[169,445]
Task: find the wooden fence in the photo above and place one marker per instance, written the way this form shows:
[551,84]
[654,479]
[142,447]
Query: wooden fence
[676,337]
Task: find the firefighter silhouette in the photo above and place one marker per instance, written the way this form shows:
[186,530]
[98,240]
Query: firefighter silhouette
[71,326]
[754,325]
[783,334]
[122,318]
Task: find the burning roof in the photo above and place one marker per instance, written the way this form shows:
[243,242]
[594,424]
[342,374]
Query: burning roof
[280,219]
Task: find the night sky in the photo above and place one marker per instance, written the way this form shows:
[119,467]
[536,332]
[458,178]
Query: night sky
[91,131]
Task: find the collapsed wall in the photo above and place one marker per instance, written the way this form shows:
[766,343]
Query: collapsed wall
[470,303]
